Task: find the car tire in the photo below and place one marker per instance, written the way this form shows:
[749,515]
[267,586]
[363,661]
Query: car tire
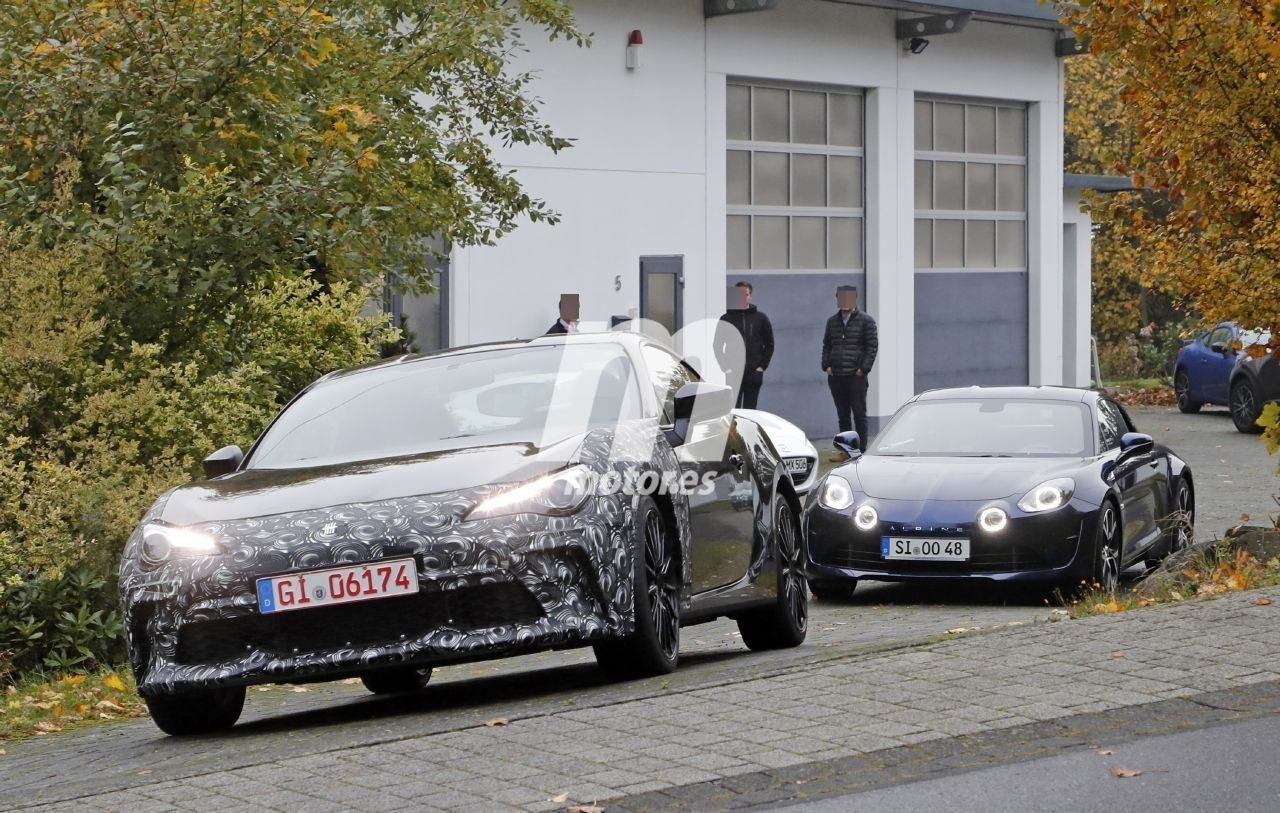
[200,712]
[1108,549]
[654,646]
[1182,389]
[833,590]
[1184,518]
[1245,407]
[397,680]
[784,623]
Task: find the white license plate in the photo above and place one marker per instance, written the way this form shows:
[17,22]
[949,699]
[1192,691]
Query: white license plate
[337,585]
[796,465]
[917,548]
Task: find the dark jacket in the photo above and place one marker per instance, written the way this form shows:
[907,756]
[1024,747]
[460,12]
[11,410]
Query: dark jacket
[847,348]
[757,338]
[555,329]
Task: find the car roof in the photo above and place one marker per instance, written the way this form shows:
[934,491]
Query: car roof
[1037,393]
[621,338]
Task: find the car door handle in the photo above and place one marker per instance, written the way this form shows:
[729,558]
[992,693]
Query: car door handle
[737,461]
[1154,463]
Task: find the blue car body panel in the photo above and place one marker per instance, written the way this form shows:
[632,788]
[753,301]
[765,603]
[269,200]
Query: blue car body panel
[1209,371]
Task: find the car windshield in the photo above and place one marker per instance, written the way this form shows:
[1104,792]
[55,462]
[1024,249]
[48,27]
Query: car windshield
[988,427]
[536,395]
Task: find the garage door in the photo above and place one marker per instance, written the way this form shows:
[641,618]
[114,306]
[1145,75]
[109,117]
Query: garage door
[970,243]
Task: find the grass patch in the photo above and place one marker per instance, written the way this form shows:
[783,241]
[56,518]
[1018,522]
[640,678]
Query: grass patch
[42,704]
[1203,573]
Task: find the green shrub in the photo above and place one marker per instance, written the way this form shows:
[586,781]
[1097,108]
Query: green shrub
[59,623]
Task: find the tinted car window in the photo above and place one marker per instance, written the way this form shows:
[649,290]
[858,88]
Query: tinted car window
[668,374]
[1111,425]
[1221,335]
[528,394]
[988,427]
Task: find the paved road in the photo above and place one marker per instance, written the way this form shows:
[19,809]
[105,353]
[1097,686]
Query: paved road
[1222,767]
[280,723]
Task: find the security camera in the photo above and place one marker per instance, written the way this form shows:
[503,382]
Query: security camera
[916,45]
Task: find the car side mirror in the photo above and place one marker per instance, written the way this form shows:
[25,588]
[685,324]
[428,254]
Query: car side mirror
[849,443]
[1134,444]
[709,401]
[224,461]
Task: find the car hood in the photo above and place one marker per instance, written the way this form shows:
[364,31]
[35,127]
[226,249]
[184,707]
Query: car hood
[953,478]
[263,492]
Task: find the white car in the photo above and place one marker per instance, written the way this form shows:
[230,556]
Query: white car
[798,454]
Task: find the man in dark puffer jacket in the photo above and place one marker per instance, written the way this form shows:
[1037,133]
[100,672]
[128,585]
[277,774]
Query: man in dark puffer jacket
[848,352]
[757,339]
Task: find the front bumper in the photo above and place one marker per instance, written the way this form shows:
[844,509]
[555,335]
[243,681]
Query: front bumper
[487,588]
[1049,547]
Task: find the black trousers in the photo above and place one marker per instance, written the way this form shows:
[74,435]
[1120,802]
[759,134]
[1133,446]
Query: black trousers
[850,394]
[749,392]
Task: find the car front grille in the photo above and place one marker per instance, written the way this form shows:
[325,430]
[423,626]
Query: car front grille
[377,622]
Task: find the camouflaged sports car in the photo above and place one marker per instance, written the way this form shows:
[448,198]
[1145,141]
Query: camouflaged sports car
[486,501]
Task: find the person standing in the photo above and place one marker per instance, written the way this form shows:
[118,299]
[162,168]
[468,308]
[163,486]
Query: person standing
[757,340]
[849,348]
[569,312]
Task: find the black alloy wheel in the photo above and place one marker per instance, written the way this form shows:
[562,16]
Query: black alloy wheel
[654,647]
[1184,519]
[1106,567]
[397,680]
[785,622]
[1182,388]
[1244,407]
[199,712]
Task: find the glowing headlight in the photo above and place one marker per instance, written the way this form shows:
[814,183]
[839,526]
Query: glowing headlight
[993,519]
[1048,496]
[836,493]
[556,494]
[865,517]
[160,542]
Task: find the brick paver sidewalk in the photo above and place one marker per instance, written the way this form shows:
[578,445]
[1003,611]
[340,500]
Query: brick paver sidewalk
[831,709]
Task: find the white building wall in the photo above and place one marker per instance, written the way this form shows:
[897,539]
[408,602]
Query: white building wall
[1077,291]
[647,172]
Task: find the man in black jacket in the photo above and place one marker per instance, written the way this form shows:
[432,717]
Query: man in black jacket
[757,340]
[848,352]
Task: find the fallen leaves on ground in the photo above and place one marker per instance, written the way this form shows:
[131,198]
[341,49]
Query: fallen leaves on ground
[496,721]
[560,799]
[49,704]
[585,809]
[1104,752]
[1125,773]
[1262,602]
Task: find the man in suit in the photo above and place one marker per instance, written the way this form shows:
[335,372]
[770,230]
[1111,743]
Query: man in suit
[849,348]
[568,321]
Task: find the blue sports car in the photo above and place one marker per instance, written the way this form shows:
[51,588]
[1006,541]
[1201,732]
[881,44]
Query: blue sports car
[1043,484]
[1203,365]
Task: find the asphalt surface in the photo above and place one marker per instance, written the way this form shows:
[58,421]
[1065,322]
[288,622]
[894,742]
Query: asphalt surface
[1224,767]
[1235,478]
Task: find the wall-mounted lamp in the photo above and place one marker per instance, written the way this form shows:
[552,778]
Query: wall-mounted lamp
[916,45]
[635,44]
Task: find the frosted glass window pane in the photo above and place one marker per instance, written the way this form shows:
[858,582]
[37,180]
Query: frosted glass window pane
[948,243]
[771,179]
[808,242]
[981,182]
[768,242]
[739,240]
[948,185]
[1011,244]
[1011,131]
[924,125]
[980,244]
[924,184]
[981,130]
[846,180]
[844,238]
[739,112]
[924,243]
[808,180]
[769,114]
[1012,190]
[739,177]
[846,120]
[808,117]
[948,127]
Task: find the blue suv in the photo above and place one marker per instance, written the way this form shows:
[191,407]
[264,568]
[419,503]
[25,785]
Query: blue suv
[1202,368]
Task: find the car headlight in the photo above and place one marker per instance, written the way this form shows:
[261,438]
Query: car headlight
[993,519]
[866,517]
[1048,496]
[836,493]
[161,541]
[557,494]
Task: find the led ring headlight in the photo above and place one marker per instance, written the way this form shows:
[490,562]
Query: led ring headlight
[1048,496]
[866,517]
[836,493]
[993,519]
